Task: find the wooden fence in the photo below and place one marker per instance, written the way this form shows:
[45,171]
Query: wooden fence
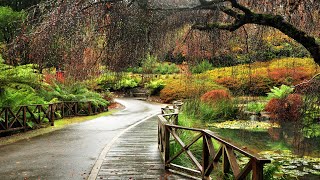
[223,158]
[13,119]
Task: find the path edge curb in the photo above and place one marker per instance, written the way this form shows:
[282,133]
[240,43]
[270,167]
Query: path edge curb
[95,170]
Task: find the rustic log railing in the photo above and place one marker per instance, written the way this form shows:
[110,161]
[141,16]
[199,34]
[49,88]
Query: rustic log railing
[13,119]
[213,158]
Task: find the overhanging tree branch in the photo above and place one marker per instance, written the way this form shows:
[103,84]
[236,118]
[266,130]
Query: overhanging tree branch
[275,21]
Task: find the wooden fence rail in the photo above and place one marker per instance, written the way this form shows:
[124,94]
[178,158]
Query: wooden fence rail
[13,119]
[225,157]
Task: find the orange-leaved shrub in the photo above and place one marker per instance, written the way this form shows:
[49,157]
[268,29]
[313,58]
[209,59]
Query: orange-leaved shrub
[289,76]
[233,84]
[215,96]
[287,109]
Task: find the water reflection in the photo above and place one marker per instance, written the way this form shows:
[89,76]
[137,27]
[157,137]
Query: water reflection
[298,154]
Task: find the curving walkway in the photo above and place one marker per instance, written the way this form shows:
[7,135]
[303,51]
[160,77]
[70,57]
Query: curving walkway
[70,153]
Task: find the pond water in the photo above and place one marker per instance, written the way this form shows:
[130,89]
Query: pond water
[299,156]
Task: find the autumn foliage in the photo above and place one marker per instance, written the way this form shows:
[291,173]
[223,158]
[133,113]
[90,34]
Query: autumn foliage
[215,96]
[287,109]
[258,78]
[186,88]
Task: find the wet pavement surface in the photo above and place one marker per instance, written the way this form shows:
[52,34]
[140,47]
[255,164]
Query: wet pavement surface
[70,153]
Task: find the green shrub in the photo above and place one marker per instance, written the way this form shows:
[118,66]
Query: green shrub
[203,66]
[10,21]
[166,68]
[137,70]
[256,107]
[222,110]
[149,63]
[126,84]
[155,86]
[113,81]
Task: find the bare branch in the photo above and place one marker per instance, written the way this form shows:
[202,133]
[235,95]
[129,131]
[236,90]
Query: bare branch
[235,4]
[230,12]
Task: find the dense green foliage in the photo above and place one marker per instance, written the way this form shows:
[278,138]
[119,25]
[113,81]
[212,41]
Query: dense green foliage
[76,92]
[201,67]
[155,86]
[151,65]
[23,85]
[256,107]
[114,82]
[19,85]
[18,5]
[10,22]
[207,112]
[165,68]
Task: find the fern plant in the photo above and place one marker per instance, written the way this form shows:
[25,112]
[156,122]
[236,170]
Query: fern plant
[280,93]
[76,92]
[19,85]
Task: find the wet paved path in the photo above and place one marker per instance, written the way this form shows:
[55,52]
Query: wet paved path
[71,153]
[135,155]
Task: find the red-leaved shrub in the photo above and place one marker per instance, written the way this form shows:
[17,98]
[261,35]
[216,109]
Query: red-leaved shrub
[285,110]
[215,96]
[296,103]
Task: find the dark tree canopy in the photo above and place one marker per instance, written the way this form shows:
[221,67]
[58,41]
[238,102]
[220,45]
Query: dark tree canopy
[18,5]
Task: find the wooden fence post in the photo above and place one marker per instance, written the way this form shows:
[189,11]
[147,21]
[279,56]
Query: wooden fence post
[257,170]
[76,108]
[166,145]
[225,161]
[89,108]
[176,119]
[205,157]
[24,117]
[38,107]
[51,114]
[62,109]
[6,117]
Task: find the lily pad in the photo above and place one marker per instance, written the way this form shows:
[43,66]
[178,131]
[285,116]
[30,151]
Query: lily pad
[316,166]
[245,124]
